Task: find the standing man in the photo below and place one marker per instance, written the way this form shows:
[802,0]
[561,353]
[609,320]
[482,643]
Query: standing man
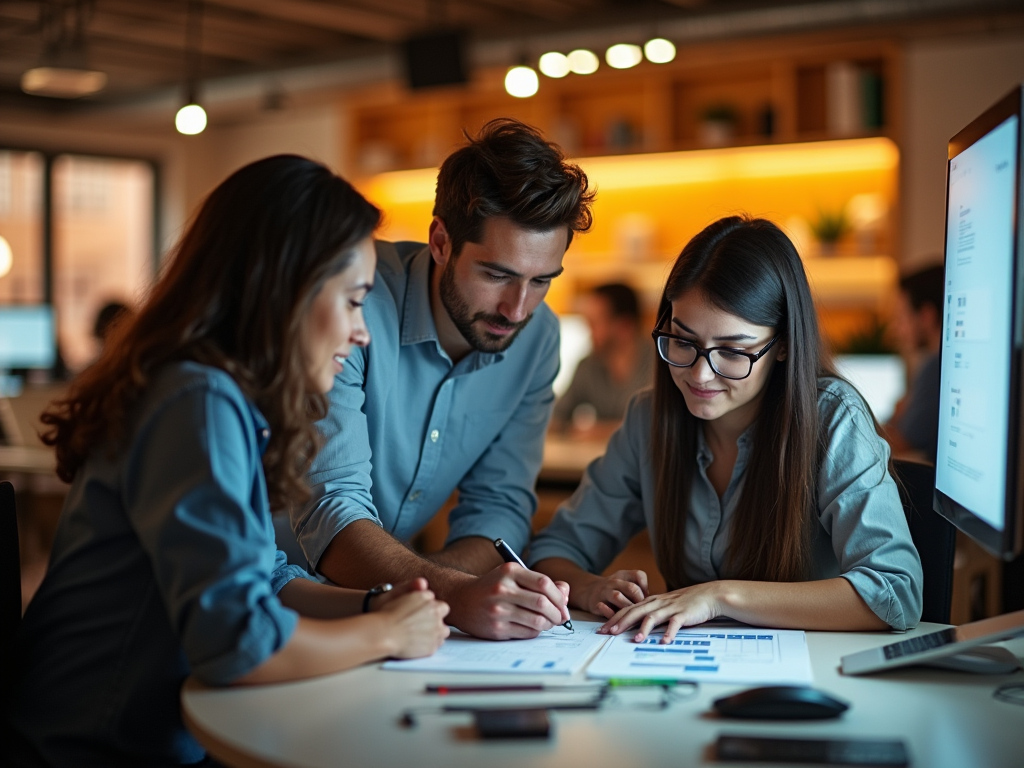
[455,391]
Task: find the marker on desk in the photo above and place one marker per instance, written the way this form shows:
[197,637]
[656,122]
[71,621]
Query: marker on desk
[509,556]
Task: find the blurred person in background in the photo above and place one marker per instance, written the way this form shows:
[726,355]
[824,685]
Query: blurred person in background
[917,331]
[619,364]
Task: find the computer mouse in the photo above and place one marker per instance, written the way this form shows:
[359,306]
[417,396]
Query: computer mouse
[781,702]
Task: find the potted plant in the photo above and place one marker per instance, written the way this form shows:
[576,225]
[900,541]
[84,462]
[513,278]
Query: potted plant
[829,228]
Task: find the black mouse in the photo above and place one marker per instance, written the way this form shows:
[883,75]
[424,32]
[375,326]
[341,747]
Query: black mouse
[781,702]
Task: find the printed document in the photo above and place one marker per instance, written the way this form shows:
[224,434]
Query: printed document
[713,654]
[556,651]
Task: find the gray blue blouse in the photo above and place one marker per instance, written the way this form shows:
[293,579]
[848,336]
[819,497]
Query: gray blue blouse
[164,565]
[862,532]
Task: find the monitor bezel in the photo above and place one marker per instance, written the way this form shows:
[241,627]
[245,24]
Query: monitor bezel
[1008,542]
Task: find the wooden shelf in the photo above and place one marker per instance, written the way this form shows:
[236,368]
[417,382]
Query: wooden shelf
[779,91]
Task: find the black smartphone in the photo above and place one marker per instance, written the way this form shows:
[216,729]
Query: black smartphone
[886,752]
[512,723]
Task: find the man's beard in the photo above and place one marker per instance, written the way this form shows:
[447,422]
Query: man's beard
[459,312]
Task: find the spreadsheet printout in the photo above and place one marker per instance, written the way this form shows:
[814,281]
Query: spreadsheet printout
[745,655]
[555,651]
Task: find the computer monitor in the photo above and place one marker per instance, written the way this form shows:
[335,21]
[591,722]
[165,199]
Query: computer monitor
[575,345]
[27,337]
[978,468]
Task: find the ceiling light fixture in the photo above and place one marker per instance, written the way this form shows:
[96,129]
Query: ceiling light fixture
[583,62]
[658,50]
[623,56]
[521,81]
[554,64]
[191,118]
[63,72]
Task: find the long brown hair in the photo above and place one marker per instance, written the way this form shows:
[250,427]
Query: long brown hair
[750,269]
[233,296]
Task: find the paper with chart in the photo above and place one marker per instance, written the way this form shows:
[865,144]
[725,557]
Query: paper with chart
[721,655]
[556,651]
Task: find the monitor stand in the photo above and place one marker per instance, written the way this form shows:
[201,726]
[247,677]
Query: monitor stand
[981,660]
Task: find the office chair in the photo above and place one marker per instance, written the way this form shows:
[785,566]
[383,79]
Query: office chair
[933,535]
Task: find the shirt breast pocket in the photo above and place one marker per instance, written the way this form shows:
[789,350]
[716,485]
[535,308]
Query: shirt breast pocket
[479,430]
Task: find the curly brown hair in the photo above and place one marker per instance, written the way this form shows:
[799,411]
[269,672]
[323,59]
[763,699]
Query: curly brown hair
[511,170]
[233,296]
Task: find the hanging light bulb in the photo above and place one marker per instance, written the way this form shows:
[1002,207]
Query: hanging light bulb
[190,120]
[521,81]
[623,56]
[6,256]
[583,62]
[554,64]
[659,50]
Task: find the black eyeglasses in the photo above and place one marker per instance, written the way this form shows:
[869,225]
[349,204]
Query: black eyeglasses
[726,362]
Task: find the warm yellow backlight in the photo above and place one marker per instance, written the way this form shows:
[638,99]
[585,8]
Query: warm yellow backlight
[694,167]
[190,120]
[521,82]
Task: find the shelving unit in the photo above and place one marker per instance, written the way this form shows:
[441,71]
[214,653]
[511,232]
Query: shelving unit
[796,94]
[779,91]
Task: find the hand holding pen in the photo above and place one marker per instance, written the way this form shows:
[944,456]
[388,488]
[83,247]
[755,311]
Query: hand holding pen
[509,556]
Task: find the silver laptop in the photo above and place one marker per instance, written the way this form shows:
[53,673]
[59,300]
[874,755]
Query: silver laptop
[959,647]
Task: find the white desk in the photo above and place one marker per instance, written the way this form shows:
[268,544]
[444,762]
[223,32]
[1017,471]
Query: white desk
[351,719]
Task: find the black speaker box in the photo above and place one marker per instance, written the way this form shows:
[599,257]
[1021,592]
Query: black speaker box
[436,58]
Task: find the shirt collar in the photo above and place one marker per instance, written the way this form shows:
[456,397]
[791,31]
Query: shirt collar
[743,443]
[417,319]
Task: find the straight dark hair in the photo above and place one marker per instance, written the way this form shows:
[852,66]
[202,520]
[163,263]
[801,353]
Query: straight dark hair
[233,295]
[510,170]
[748,268]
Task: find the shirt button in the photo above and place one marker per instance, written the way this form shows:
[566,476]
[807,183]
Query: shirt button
[415,495]
[265,433]
[434,434]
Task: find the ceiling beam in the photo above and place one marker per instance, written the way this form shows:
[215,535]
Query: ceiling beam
[340,18]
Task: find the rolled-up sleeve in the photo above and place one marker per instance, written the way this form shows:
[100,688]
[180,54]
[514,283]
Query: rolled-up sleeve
[196,498]
[496,497]
[860,509]
[340,475]
[606,511]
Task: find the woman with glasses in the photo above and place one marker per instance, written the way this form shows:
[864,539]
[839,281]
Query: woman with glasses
[178,442]
[758,472]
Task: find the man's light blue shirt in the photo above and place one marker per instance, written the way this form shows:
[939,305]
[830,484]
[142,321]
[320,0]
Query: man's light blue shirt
[406,427]
[861,535]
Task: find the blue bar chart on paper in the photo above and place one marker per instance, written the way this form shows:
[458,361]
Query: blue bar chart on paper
[556,651]
[719,654]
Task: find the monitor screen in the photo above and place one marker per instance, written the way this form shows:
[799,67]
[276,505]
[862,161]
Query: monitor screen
[575,345]
[880,379]
[976,472]
[27,337]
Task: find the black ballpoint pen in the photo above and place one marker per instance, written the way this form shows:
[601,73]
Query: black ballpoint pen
[509,556]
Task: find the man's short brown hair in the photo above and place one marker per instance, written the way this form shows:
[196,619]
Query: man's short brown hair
[510,170]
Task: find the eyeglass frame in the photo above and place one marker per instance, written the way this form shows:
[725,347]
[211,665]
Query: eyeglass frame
[706,353]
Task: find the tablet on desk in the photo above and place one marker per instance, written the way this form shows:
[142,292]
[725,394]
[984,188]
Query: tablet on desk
[935,647]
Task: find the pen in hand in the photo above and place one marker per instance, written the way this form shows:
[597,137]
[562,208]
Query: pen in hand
[509,556]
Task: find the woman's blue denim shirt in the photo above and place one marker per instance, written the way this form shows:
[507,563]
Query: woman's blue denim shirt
[164,565]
